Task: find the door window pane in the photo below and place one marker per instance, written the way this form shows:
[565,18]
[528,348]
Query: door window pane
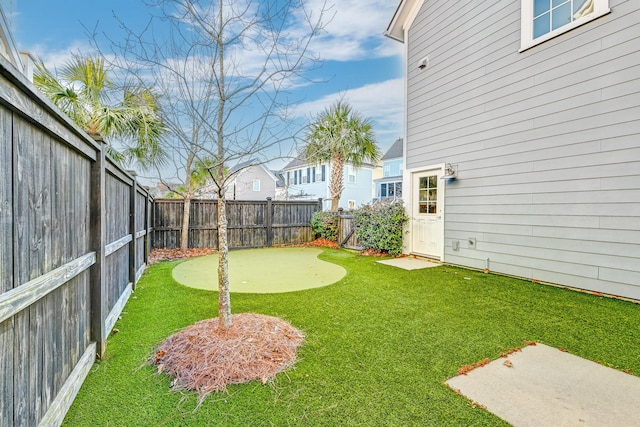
[428,195]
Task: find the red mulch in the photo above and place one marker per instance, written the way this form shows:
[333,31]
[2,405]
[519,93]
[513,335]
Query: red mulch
[322,243]
[373,252]
[175,254]
[205,358]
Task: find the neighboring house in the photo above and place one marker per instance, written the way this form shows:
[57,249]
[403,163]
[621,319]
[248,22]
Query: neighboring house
[390,185]
[253,181]
[537,111]
[308,181]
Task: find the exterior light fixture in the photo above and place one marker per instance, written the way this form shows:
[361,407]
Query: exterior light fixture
[423,63]
[450,172]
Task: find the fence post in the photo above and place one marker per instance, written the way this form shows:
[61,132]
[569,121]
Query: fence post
[98,236]
[340,233]
[147,222]
[320,204]
[269,220]
[133,214]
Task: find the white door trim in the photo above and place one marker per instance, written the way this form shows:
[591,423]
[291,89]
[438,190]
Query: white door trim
[409,198]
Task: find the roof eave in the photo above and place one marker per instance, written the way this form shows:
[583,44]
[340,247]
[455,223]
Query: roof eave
[395,28]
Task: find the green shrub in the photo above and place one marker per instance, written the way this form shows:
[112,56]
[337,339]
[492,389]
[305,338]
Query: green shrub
[379,226]
[325,225]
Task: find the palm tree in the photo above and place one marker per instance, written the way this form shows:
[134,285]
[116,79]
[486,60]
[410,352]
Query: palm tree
[82,92]
[340,136]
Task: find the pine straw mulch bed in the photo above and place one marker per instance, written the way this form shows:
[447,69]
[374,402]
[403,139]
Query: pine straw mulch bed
[176,254]
[206,358]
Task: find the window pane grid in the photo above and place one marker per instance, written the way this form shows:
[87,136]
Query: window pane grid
[549,15]
[428,195]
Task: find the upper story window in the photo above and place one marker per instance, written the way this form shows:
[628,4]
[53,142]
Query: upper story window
[545,19]
[351,174]
[387,170]
[256,185]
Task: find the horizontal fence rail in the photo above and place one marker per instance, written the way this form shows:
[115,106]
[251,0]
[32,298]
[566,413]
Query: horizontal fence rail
[251,224]
[75,239]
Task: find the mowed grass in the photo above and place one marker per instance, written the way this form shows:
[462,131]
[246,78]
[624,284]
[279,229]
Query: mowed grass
[380,344]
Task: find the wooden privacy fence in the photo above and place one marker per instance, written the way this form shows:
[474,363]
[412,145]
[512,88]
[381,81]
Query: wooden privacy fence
[347,237]
[75,235]
[251,224]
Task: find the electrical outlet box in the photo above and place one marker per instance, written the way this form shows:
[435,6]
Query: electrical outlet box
[472,242]
[455,245]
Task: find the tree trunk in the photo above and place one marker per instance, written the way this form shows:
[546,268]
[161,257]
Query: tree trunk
[224,301]
[184,239]
[336,184]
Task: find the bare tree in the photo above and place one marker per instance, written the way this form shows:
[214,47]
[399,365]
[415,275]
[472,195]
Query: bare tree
[225,69]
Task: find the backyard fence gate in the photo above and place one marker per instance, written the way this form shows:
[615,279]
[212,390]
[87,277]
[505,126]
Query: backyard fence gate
[347,237]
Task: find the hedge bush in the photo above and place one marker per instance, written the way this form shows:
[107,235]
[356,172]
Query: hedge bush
[325,225]
[380,226]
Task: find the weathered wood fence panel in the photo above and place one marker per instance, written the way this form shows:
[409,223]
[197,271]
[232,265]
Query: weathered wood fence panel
[251,224]
[347,231]
[291,222]
[63,272]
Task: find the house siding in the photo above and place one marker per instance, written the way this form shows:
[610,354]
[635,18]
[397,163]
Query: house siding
[546,141]
[361,191]
[242,187]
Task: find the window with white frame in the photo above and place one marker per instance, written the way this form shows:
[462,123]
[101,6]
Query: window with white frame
[256,185]
[387,170]
[352,204]
[390,190]
[351,174]
[545,19]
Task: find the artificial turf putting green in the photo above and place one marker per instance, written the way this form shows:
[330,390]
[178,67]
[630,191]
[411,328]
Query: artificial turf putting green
[262,271]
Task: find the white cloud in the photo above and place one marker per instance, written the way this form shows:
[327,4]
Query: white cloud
[356,30]
[56,58]
[382,102]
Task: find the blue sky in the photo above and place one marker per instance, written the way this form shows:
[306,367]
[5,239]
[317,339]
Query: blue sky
[360,64]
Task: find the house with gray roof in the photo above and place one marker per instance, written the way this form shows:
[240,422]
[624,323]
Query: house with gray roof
[389,187]
[253,180]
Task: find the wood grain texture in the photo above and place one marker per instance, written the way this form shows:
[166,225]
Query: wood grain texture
[19,298]
[58,409]
[56,222]
[251,224]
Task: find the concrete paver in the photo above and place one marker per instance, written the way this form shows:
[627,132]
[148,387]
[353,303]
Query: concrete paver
[545,386]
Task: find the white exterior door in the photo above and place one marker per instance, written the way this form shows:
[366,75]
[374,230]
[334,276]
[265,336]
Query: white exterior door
[427,224]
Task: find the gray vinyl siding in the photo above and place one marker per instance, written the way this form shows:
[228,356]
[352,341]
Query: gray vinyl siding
[546,141]
[243,185]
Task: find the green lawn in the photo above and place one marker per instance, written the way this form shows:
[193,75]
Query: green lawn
[380,344]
